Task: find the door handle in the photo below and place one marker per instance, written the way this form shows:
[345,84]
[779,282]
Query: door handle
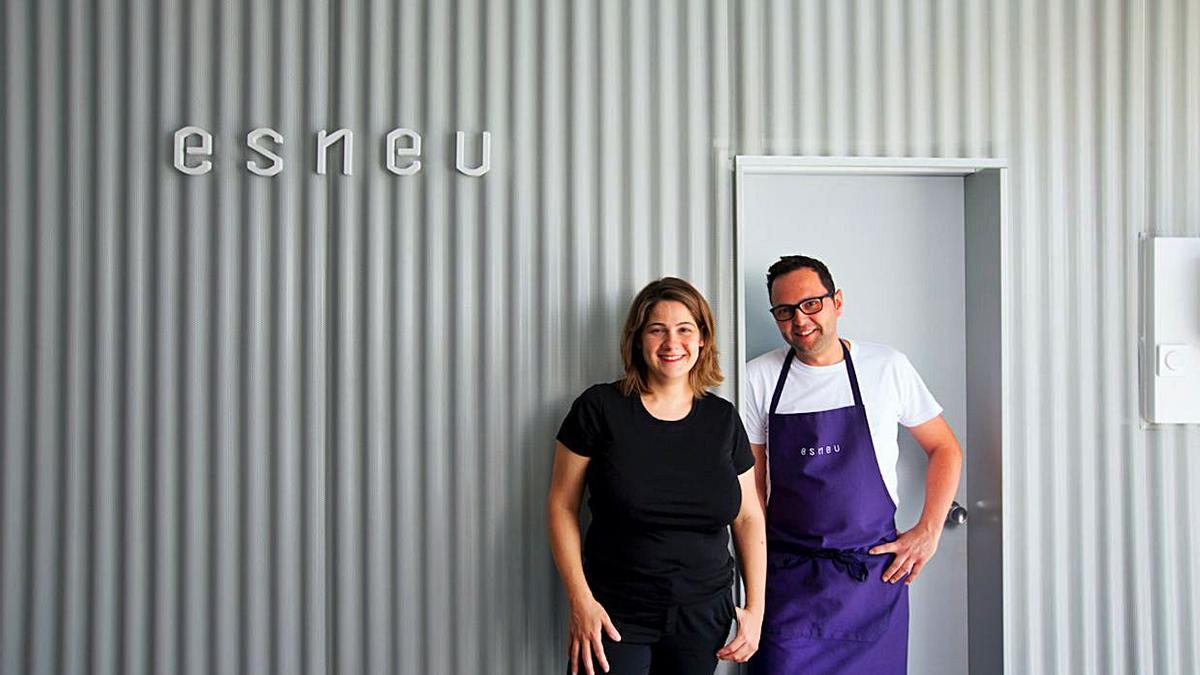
[957,515]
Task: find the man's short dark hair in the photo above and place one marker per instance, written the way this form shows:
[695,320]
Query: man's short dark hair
[791,263]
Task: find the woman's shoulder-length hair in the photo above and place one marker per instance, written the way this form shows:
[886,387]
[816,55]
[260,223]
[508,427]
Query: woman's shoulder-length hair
[706,372]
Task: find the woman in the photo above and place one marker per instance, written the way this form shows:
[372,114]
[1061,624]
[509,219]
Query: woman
[668,467]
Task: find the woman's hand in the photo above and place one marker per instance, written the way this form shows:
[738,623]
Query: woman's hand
[745,643]
[588,619]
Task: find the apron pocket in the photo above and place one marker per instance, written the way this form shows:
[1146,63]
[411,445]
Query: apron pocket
[815,599]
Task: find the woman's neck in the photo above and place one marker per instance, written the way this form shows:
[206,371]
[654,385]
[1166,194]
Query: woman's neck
[668,401]
[670,390]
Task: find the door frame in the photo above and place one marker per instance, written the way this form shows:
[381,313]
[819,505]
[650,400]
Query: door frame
[987,276]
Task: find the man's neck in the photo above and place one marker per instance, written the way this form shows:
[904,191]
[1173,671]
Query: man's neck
[827,357]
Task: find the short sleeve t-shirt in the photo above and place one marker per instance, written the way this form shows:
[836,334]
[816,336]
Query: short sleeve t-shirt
[662,494]
[893,393]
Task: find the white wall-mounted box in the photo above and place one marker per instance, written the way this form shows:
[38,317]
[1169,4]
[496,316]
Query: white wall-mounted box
[1171,330]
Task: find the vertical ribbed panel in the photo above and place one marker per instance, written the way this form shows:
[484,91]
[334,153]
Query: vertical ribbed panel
[1095,105]
[303,423]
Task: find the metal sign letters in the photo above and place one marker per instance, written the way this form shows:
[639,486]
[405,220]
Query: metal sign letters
[402,151]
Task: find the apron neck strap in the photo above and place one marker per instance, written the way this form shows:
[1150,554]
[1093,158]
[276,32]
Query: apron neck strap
[787,366]
[853,375]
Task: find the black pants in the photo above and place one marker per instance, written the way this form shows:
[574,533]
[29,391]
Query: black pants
[686,644]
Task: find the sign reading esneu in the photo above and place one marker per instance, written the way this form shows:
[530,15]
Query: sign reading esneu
[402,151]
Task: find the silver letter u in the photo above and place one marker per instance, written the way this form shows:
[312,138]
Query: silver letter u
[460,160]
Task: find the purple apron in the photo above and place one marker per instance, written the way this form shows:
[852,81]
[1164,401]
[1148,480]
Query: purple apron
[828,609]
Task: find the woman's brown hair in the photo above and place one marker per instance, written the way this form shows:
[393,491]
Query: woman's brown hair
[707,371]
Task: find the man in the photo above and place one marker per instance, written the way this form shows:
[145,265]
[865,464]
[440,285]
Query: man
[821,416]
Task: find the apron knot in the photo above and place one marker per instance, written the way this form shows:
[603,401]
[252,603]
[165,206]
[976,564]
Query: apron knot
[852,563]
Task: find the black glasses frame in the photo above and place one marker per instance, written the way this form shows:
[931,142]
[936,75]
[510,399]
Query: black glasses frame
[788,312]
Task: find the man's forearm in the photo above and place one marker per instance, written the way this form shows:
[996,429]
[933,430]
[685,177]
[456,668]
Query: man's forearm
[941,483]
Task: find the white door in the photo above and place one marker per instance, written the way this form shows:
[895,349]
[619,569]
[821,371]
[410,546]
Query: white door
[895,246]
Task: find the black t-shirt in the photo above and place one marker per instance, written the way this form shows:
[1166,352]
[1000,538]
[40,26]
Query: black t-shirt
[662,495]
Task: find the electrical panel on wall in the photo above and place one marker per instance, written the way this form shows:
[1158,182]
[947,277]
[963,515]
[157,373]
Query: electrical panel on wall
[1170,342]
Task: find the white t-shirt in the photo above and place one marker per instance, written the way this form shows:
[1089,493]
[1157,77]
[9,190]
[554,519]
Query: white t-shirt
[892,392]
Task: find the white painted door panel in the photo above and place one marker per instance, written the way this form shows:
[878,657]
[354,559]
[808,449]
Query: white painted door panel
[895,246]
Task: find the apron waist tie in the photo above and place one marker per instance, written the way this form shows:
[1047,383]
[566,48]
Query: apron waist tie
[852,563]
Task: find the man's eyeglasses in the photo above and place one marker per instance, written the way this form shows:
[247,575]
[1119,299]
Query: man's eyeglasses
[806,306]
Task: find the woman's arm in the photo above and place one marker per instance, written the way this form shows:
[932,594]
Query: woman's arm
[562,519]
[759,450]
[588,618]
[750,541]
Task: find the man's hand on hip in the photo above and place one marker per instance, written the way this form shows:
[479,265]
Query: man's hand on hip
[913,549]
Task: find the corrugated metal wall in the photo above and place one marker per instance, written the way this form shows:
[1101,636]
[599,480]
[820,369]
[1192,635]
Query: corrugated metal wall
[1097,107]
[303,423]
